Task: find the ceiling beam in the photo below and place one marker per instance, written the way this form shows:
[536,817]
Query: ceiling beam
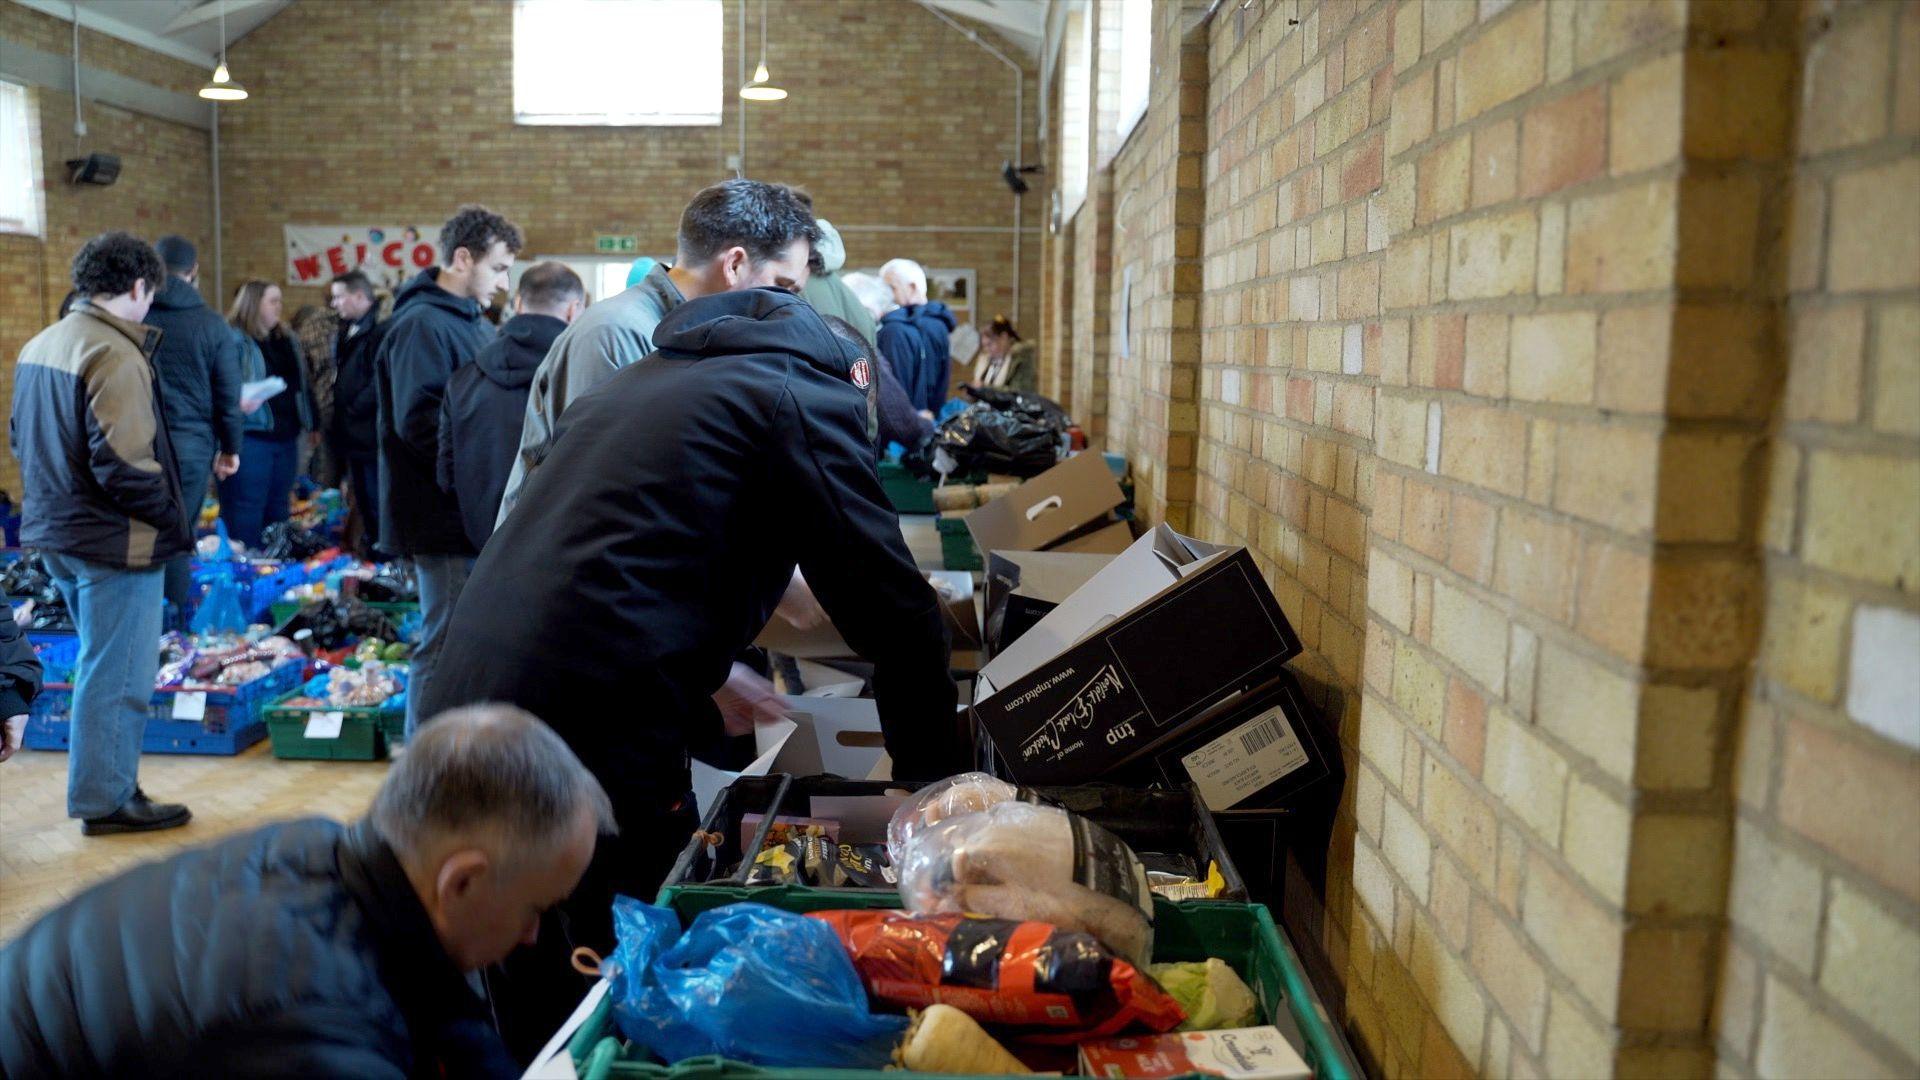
[208,12]
[114,28]
[1025,21]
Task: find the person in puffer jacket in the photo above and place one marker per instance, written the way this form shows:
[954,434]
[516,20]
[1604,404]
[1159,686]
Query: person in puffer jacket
[312,948]
[103,507]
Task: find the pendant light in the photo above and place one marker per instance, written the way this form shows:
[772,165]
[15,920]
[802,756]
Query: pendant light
[761,88]
[222,87]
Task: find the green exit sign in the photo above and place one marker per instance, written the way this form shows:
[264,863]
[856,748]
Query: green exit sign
[607,244]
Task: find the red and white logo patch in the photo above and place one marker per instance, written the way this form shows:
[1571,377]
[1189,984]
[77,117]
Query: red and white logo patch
[860,373]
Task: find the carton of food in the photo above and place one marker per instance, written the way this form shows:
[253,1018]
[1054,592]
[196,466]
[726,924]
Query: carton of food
[1257,1053]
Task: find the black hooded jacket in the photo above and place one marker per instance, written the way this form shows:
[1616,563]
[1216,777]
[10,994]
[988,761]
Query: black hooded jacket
[199,366]
[356,397]
[298,949]
[480,419]
[432,334]
[653,544]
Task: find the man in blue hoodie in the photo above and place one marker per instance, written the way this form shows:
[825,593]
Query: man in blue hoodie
[914,335]
[486,400]
[436,329]
[198,365]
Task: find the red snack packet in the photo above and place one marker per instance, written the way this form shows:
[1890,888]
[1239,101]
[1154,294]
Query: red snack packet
[1059,985]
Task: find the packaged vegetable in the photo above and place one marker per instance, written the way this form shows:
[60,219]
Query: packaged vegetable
[1211,992]
[1058,986]
[1032,863]
[967,793]
[746,981]
[945,1040]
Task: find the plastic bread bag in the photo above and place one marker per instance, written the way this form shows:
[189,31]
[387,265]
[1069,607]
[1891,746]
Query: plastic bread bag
[1050,986]
[1033,863]
[966,793]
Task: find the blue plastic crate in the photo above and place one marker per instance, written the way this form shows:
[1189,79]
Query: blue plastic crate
[267,588]
[232,723]
[57,653]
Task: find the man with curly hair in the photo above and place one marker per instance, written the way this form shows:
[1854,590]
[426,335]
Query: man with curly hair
[103,506]
[436,329]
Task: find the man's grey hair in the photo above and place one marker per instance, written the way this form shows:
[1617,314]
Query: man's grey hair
[907,271]
[486,768]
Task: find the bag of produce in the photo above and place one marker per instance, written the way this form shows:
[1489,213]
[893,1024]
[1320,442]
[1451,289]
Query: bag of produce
[1058,986]
[966,793]
[1211,992]
[747,981]
[1032,863]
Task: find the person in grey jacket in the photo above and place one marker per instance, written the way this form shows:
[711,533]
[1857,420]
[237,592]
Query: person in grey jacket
[737,234]
[199,365]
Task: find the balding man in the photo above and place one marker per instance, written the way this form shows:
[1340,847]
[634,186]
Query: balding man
[914,335]
[309,948]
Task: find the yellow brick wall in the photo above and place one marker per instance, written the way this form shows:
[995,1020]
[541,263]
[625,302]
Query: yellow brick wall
[371,111]
[1535,423]
[1821,974]
[163,185]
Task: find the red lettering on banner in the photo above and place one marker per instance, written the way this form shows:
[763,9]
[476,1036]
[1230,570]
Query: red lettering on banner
[336,260]
[359,255]
[390,254]
[307,266]
[423,255]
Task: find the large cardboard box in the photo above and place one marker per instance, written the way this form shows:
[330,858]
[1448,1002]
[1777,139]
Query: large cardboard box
[1169,663]
[1021,587]
[1064,503]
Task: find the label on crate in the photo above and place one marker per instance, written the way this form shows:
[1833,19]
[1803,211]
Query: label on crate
[324,725]
[1245,759]
[190,705]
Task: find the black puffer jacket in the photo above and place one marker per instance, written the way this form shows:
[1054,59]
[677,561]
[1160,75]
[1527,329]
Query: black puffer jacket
[652,545]
[298,949]
[481,419]
[200,368]
[20,670]
[432,334]
[356,397]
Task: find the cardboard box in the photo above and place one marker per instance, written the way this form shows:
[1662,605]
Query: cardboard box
[837,735]
[1021,587]
[1169,660]
[1055,506]
[1257,1053]
[825,642]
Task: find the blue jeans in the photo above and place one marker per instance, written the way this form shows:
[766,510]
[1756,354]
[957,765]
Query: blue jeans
[261,492]
[441,579]
[117,613]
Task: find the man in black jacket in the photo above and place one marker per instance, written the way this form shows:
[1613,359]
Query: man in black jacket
[480,418]
[103,506]
[199,365]
[356,403]
[309,948]
[652,546]
[436,329]
[20,673]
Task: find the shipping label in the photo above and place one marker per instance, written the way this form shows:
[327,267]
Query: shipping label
[1247,758]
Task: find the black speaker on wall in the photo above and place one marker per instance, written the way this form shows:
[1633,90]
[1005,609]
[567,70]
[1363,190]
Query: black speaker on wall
[95,168]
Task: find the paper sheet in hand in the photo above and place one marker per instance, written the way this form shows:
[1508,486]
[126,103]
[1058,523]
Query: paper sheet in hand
[255,394]
[822,735]
[553,1061]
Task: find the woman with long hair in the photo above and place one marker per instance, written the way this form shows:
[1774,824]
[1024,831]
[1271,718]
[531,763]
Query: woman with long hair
[260,493]
[1005,360]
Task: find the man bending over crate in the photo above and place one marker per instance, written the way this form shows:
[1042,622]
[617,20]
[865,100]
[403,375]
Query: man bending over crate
[311,948]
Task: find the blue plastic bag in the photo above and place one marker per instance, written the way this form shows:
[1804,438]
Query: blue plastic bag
[220,610]
[748,982]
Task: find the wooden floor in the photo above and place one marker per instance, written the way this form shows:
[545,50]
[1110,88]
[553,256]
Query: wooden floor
[44,859]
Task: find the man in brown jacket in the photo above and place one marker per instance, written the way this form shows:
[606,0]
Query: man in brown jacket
[103,506]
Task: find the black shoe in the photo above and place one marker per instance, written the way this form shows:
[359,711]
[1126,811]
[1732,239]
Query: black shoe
[138,815]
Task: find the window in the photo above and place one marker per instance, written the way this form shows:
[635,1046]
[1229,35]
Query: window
[20,197]
[1136,64]
[618,63]
[1076,110]
[602,276]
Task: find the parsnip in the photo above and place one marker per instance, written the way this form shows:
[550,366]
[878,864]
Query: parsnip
[945,1040]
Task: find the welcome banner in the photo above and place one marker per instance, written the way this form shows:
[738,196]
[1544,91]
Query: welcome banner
[389,254]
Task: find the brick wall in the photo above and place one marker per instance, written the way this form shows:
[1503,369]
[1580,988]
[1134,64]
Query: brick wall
[1534,422]
[367,110]
[1820,973]
[163,185]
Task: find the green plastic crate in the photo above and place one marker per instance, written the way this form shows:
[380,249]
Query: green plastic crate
[364,732]
[908,494]
[1244,935]
[957,551]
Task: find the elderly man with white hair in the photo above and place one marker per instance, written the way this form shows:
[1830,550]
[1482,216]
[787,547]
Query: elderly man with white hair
[914,335]
[311,948]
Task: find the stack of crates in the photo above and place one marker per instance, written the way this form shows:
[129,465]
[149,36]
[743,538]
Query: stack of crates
[220,720]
